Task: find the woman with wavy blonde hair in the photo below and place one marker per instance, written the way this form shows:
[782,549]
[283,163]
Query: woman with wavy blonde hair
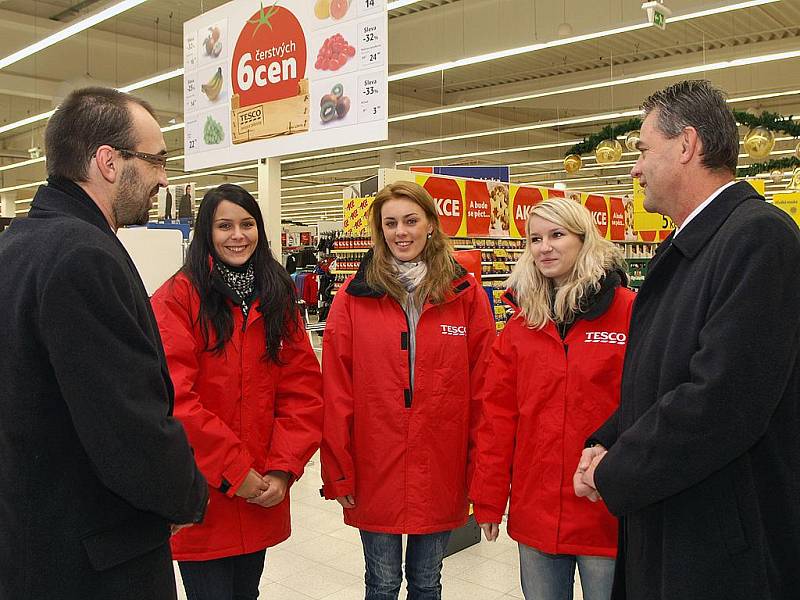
[553,378]
[403,353]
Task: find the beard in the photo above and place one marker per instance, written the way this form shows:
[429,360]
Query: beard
[132,202]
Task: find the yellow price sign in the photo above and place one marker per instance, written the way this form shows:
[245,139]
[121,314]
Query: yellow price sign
[644,220]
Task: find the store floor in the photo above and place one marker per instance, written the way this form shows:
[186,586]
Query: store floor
[323,558]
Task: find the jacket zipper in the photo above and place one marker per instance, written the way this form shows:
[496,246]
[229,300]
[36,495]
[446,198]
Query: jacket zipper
[408,394]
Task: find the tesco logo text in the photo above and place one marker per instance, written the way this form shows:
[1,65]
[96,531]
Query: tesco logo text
[453,330]
[605,337]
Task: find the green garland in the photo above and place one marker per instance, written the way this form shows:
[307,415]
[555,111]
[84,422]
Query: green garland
[608,132]
[767,167]
[768,120]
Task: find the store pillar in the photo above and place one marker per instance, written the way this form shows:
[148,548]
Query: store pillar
[7,206]
[269,199]
[387,158]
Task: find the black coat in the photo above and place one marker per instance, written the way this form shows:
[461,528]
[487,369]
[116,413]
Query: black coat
[703,467]
[93,469]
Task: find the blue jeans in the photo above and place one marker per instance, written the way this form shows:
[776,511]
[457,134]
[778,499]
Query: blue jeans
[383,557]
[552,576]
[230,578]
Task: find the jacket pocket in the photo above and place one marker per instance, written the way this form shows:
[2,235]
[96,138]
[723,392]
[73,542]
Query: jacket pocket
[119,544]
[729,519]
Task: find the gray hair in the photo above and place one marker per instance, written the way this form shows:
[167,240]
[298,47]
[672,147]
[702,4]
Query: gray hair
[700,105]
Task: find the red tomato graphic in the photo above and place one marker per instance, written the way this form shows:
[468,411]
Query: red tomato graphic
[270,57]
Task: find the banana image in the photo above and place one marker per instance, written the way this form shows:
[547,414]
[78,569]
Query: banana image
[213,88]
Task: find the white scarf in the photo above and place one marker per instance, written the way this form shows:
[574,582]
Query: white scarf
[411,274]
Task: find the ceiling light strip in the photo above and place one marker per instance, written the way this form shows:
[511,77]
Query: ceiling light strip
[69,31]
[717,66]
[472,60]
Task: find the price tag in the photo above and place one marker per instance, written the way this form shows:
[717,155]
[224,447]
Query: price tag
[371,43]
[501,253]
[190,52]
[191,134]
[370,7]
[371,98]
[190,93]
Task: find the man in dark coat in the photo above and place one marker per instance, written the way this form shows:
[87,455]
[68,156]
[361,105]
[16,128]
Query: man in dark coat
[703,459]
[94,471]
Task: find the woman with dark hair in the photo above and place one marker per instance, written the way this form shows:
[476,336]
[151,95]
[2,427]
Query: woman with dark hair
[247,390]
[403,355]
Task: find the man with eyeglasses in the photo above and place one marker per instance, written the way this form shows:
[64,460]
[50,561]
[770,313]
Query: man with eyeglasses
[95,473]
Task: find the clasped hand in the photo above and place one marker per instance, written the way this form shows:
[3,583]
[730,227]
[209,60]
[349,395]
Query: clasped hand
[267,490]
[583,480]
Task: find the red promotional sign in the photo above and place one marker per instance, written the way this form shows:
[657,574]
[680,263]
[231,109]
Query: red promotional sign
[449,203]
[524,200]
[599,208]
[617,210]
[305,238]
[270,57]
[478,207]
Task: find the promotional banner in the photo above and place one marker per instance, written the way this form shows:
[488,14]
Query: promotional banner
[292,76]
[355,218]
[790,203]
[469,171]
[176,202]
[479,208]
[652,227]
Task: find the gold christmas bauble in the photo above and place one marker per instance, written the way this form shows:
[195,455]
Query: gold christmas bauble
[794,184]
[797,150]
[608,151]
[759,142]
[776,176]
[573,163]
[631,139]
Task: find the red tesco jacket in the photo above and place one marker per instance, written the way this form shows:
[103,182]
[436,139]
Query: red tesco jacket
[401,453]
[239,412]
[543,398]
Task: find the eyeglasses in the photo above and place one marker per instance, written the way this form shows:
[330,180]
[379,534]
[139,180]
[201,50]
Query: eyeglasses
[159,160]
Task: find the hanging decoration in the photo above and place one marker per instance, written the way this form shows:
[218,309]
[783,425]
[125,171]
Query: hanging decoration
[794,183]
[772,121]
[784,164]
[776,176]
[758,142]
[608,152]
[632,139]
[573,163]
[797,150]
[608,132]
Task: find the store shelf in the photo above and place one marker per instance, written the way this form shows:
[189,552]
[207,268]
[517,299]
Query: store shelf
[343,272]
[491,262]
[639,259]
[351,251]
[495,275]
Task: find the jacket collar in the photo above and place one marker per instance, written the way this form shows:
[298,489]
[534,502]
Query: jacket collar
[598,303]
[700,229]
[62,196]
[359,287]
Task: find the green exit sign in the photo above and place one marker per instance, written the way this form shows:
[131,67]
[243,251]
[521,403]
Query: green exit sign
[659,19]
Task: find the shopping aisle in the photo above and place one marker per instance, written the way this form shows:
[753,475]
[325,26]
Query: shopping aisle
[323,558]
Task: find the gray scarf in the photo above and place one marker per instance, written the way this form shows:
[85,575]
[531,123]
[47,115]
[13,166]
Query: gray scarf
[411,275]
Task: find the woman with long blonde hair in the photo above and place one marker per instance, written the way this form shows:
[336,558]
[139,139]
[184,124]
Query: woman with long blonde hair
[553,378]
[403,352]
